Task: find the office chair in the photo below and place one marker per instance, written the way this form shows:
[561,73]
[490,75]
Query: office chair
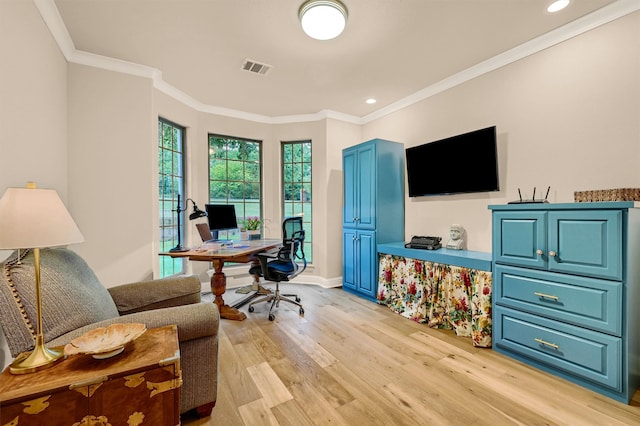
[284,265]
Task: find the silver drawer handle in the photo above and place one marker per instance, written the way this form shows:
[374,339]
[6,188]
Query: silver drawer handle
[546,296]
[551,345]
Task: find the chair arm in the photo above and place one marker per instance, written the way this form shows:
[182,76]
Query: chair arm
[156,294]
[194,321]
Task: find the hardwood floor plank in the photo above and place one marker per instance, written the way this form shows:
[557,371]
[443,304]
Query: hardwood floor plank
[233,374]
[291,413]
[298,366]
[370,406]
[273,391]
[257,413]
[315,406]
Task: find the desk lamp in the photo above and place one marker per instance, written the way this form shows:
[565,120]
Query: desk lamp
[197,213]
[35,218]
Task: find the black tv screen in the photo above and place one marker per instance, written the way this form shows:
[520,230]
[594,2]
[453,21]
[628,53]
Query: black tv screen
[458,164]
[221,216]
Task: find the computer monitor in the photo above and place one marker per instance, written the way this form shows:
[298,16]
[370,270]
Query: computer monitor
[221,217]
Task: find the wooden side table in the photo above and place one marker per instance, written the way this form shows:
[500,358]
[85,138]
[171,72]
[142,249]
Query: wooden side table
[139,386]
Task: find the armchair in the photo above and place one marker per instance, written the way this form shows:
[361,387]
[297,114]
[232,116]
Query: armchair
[74,302]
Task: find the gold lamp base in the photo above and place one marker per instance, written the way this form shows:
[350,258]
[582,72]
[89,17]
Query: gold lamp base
[40,358]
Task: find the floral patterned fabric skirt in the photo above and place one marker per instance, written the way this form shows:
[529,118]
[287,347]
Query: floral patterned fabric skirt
[443,296]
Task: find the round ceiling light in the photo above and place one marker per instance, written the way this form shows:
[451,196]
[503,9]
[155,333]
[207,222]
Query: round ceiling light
[557,6]
[323,19]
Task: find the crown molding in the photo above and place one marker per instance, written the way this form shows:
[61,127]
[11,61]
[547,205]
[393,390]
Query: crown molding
[54,22]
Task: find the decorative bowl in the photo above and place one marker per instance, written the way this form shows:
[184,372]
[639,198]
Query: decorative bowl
[105,342]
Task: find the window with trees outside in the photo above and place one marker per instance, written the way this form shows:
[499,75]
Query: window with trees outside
[170,184]
[235,177]
[296,184]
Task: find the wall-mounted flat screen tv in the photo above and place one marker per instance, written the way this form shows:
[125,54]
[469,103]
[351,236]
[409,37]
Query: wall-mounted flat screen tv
[458,164]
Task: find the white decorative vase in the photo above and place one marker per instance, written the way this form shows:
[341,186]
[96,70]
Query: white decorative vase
[254,234]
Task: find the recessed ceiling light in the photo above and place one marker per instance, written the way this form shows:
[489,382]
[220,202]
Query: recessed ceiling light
[371,101]
[323,19]
[557,5]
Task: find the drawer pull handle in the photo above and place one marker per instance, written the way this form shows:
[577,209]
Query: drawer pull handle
[551,345]
[546,296]
[539,252]
[552,253]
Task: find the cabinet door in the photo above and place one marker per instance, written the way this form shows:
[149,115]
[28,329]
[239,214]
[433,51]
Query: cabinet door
[349,258]
[349,167]
[520,238]
[583,301]
[366,191]
[367,264]
[586,243]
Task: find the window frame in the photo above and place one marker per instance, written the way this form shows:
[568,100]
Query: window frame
[244,208]
[169,266]
[306,206]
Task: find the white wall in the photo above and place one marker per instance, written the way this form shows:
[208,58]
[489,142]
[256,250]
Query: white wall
[567,117]
[111,181]
[33,113]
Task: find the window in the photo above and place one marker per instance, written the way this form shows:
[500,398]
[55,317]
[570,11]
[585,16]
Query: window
[171,183]
[235,176]
[296,184]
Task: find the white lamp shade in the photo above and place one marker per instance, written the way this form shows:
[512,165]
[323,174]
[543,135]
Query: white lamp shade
[35,218]
[323,19]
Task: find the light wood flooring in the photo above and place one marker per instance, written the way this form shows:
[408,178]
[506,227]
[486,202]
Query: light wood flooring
[349,361]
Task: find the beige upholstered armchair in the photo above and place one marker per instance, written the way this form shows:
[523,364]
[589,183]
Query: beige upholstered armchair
[74,301]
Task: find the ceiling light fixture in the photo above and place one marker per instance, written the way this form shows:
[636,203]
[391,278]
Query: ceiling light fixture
[371,101]
[323,19]
[557,6]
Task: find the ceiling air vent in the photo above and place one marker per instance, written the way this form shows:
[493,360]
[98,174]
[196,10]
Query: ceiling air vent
[255,67]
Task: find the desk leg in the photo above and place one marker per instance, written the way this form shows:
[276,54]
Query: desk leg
[218,287]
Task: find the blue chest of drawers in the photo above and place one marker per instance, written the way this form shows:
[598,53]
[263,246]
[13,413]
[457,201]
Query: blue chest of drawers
[566,281]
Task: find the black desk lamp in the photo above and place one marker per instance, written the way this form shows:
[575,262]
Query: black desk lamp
[195,215]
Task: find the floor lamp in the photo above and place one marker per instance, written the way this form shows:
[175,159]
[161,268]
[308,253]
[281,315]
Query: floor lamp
[35,218]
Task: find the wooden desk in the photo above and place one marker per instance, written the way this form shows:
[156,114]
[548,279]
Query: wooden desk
[241,252]
[143,382]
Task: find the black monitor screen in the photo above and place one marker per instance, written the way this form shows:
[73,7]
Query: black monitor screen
[221,216]
[469,160]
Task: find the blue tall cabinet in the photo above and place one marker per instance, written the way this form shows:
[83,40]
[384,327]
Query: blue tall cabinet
[373,210]
[566,291]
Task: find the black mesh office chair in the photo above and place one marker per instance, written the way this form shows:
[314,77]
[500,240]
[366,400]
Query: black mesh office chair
[284,265]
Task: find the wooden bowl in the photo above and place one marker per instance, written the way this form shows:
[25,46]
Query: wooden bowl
[105,342]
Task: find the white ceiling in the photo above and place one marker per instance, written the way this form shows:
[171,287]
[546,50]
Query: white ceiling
[390,49]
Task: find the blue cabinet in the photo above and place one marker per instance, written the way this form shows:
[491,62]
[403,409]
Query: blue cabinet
[373,210]
[565,288]
[574,241]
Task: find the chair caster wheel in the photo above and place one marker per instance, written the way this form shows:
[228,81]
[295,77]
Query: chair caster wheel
[251,308]
[301,311]
[297,299]
[271,317]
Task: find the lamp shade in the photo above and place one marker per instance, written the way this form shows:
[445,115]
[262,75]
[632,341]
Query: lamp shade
[35,218]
